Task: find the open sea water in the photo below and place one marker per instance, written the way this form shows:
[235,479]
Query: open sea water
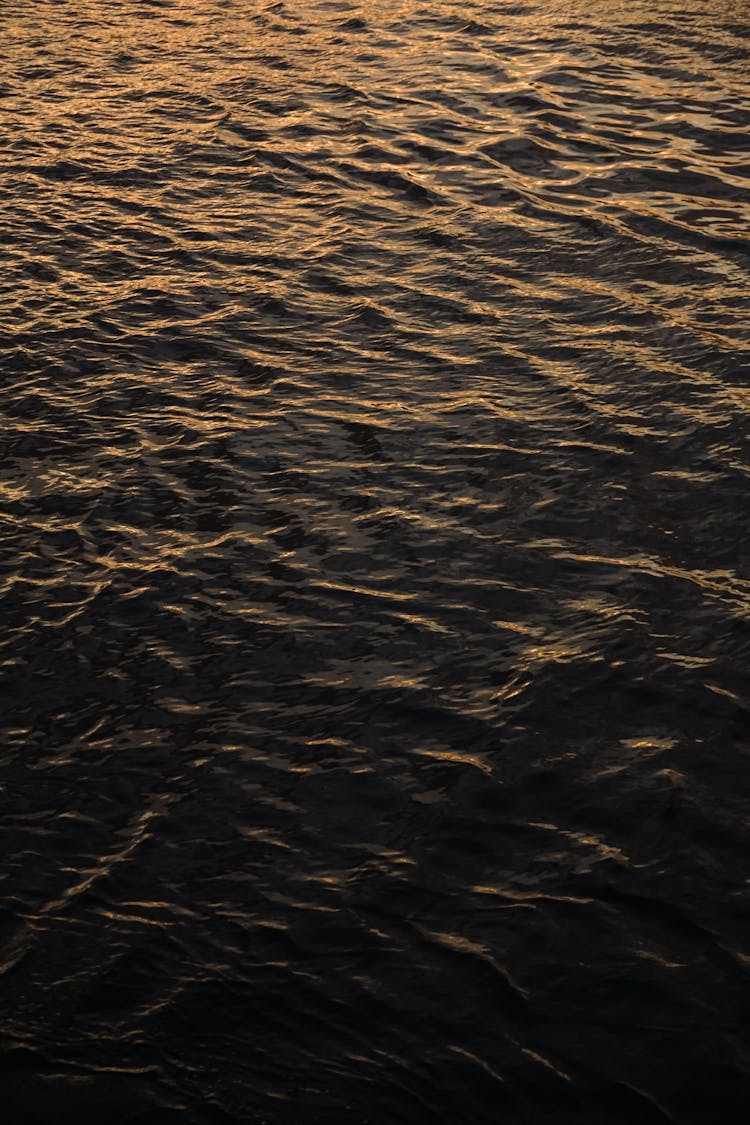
[374,475]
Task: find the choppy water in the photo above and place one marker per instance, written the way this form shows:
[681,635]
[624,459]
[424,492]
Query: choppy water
[375,562]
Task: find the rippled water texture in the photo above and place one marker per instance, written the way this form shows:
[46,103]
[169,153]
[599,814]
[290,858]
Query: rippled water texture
[375,562]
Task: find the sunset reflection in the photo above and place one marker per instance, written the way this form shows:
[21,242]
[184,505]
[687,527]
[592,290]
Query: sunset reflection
[374,491]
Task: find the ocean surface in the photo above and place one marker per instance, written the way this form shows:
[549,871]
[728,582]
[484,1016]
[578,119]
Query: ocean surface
[375,489]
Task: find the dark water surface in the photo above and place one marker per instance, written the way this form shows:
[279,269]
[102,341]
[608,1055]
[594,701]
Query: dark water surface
[375,467]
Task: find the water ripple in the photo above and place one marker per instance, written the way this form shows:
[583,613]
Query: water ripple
[375,574]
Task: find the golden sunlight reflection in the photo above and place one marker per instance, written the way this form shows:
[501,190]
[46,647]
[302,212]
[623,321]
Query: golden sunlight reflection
[374,504]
